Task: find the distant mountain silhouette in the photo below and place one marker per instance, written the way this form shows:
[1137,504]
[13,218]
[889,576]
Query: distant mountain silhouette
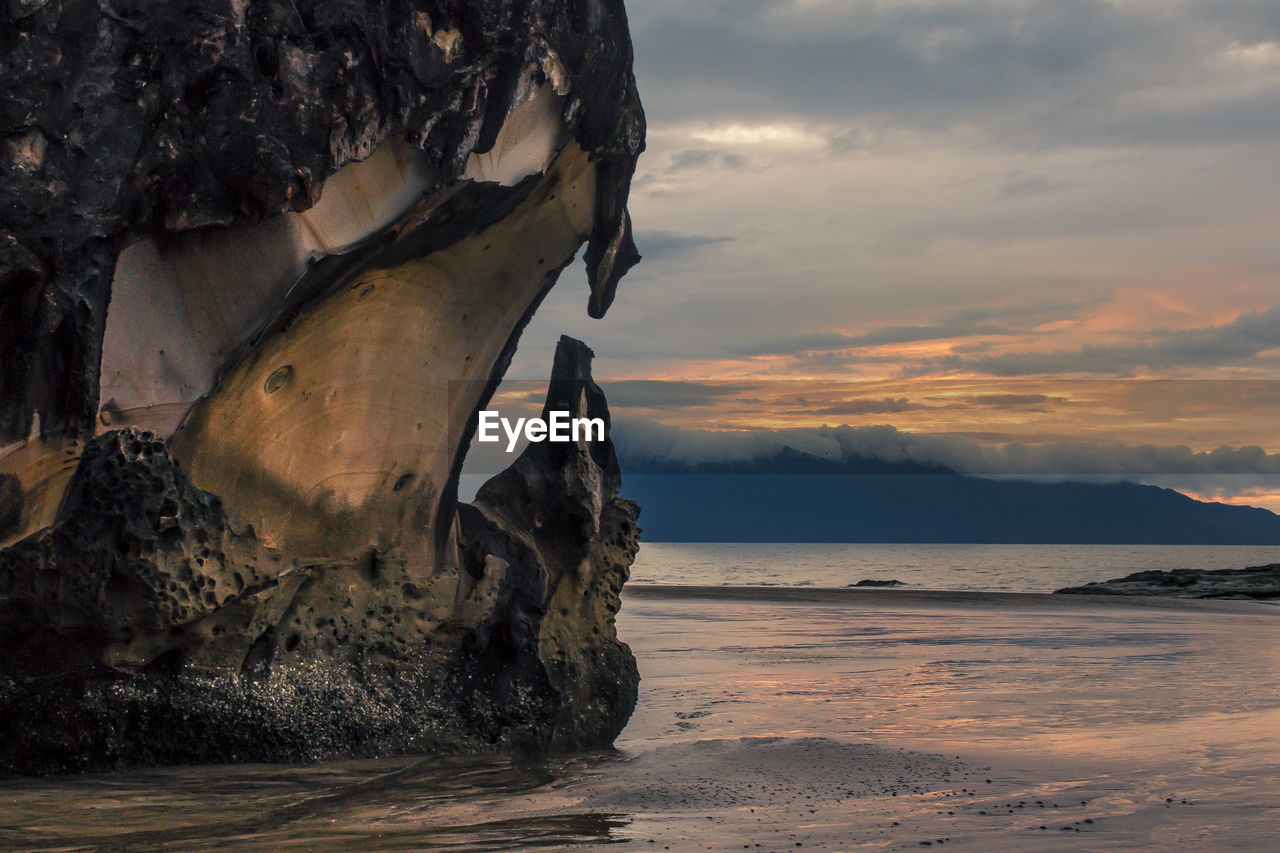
[788,460]
[797,497]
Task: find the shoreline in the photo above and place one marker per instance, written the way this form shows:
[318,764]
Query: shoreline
[770,717]
[882,597]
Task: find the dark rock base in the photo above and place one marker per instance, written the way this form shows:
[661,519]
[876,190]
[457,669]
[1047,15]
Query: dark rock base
[1256,582]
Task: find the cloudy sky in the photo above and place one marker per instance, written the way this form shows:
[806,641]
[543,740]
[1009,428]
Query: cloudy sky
[1009,220]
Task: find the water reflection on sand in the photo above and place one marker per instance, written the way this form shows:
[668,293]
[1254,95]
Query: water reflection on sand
[880,720]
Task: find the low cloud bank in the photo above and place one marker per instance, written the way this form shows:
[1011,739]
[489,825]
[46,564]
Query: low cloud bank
[1224,472]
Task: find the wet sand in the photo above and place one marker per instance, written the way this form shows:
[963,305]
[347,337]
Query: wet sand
[783,719]
[1115,724]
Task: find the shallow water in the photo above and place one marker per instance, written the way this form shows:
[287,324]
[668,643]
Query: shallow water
[1008,568]
[876,721]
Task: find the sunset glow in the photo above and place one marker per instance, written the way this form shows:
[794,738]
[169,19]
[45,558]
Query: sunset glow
[1082,251]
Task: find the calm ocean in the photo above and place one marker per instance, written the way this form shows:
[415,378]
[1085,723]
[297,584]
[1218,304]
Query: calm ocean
[1005,568]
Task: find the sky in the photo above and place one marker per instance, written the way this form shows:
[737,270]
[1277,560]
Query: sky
[1013,223]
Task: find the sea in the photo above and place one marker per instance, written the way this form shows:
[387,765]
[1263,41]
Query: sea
[992,568]
[772,720]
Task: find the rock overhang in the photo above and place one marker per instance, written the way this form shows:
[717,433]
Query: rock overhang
[291,298]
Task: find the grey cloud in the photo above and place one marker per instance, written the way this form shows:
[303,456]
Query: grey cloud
[1067,79]
[704,158]
[974,347]
[893,405]
[1020,184]
[1012,401]
[1241,339]
[670,394]
[819,341]
[658,244]
[884,406]
[1040,311]
[854,139]
[986,320]
[1043,72]
[679,394]
[648,439]
[1224,471]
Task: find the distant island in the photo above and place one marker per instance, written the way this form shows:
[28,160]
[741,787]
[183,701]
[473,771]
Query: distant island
[792,496]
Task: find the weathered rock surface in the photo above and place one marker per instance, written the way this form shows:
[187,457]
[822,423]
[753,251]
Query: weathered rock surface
[1257,582]
[557,507]
[260,266]
[125,117]
[148,625]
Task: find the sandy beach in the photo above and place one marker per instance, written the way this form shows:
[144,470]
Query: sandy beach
[815,719]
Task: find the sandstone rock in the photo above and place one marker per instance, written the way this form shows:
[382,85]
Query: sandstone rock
[133,117]
[260,266]
[149,625]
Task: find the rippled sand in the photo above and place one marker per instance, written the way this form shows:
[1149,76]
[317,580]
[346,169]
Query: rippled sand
[777,719]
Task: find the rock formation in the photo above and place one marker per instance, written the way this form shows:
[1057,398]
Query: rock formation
[1255,582]
[260,266]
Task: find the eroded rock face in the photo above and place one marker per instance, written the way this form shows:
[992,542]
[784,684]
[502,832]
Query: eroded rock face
[129,117]
[555,519]
[260,266]
[147,624]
